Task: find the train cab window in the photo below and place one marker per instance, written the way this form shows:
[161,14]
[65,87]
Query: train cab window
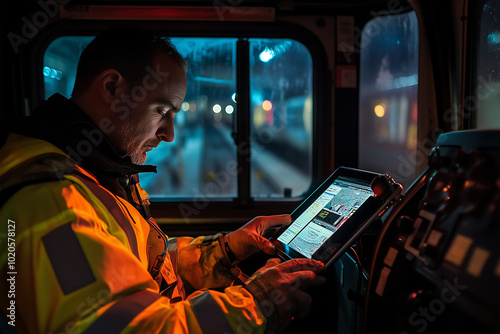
[487,95]
[281,117]
[202,161]
[388,109]
[59,64]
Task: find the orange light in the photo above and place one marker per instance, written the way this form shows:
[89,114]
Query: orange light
[379,110]
[267,105]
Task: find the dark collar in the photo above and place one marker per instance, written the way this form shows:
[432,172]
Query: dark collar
[62,123]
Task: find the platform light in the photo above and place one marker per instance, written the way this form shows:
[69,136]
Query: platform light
[259,116]
[185,106]
[216,108]
[379,110]
[494,37]
[267,105]
[307,115]
[52,73]
[192,106]
[266,55]
[229,109]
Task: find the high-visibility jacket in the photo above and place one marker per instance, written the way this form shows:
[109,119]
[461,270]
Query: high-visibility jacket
[80,265]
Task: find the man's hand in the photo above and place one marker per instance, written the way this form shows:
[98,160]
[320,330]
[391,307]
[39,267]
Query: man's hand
[249,239]
[277,289]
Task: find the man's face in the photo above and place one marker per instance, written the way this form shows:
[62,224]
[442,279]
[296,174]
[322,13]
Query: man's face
[152,105]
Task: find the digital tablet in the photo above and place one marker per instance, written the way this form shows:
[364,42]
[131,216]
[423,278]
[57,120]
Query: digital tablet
[335,215]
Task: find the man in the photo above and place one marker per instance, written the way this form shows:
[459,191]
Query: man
[86,254]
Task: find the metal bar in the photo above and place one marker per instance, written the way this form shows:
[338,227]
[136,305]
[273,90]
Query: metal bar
[243,121]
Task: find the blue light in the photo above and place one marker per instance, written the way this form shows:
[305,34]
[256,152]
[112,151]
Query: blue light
[494,37]
[266,55]
[52,73]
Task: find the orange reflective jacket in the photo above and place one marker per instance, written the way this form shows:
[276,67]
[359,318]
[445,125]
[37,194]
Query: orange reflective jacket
[82,264]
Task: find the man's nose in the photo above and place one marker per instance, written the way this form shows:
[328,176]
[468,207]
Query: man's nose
[166,131]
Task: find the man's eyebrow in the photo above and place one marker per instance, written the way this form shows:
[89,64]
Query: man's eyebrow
[166,103]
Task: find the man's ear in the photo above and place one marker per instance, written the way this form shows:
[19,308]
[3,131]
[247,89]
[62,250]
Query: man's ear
[110,84]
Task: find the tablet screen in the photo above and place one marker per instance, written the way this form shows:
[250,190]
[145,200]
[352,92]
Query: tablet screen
[325,216]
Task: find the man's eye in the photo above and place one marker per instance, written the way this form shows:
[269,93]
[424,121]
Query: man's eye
[162,111]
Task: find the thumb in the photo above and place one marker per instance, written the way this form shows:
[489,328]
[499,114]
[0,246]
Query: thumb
[265,245]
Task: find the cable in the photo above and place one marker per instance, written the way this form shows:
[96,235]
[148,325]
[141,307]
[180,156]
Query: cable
[358,289]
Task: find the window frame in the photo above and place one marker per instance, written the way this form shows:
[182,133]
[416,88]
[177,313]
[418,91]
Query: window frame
[474,14]
[407,181]
[346,106]
[208,210]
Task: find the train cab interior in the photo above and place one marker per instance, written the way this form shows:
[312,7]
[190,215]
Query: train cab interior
[281,93]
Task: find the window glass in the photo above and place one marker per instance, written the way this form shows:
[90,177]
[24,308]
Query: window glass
[488,68]
[388,109]
[202,159]
[281,117]
[59,64]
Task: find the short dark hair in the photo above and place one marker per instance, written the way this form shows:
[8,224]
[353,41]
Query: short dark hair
[127,48]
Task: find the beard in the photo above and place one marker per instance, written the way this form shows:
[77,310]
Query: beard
[131,141]
[138,157]
[128,144]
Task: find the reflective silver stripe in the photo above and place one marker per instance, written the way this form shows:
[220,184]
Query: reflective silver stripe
[209,315]
[118,316]
[68,260]
[172,243]
[172,251]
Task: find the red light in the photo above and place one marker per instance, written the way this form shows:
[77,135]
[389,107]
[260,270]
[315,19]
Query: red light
[177,13]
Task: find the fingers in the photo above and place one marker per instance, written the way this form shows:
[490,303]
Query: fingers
[271,263]
[248,239]
[252,244]
[301,265]
[305,279]
[275,277]
[265,245]
[278,286]
[269,221]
